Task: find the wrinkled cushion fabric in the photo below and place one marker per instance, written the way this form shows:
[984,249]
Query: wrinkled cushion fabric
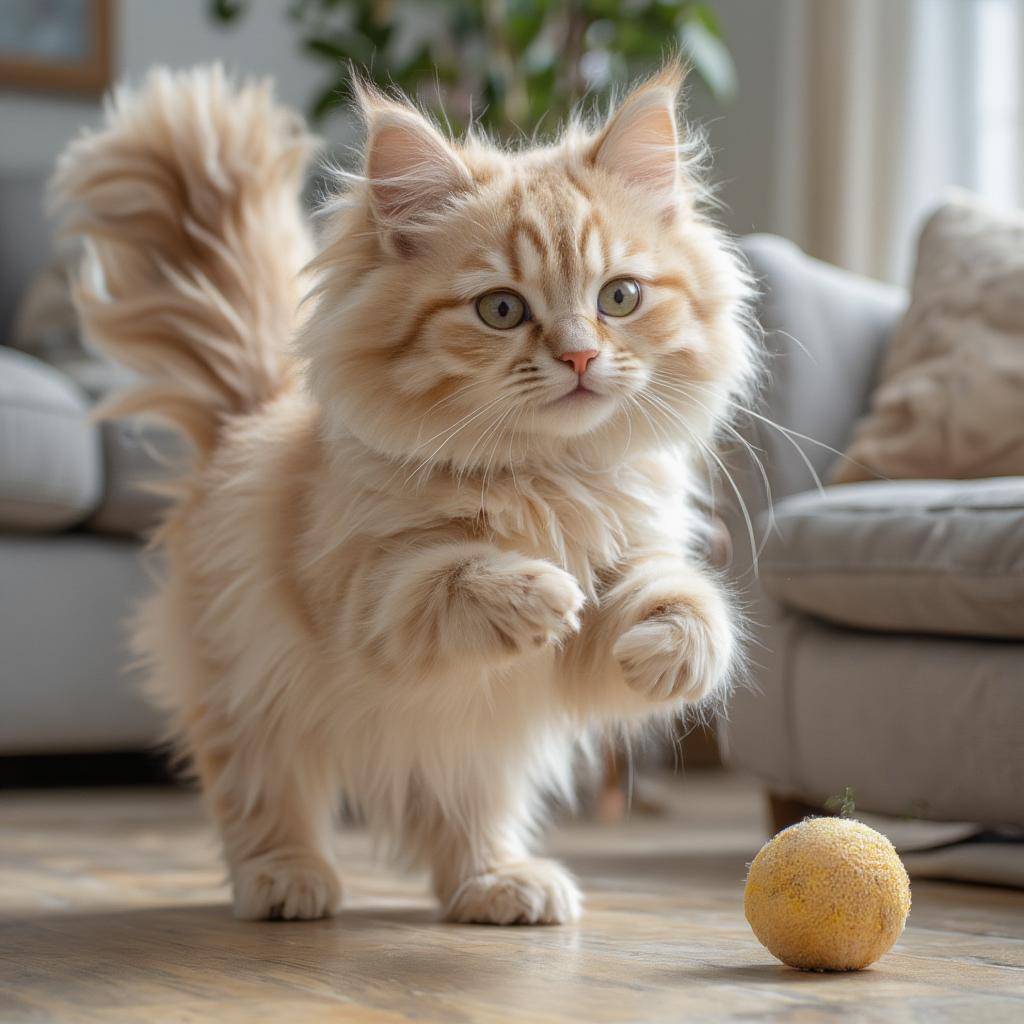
[51,469]
[950,400]
[918,726]
[922,556]
[137,453]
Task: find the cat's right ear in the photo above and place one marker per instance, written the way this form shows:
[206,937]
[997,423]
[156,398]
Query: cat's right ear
[412,170]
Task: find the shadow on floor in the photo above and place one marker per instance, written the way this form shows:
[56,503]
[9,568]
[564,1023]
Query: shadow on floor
[765,974]
[657,867]
[168,954]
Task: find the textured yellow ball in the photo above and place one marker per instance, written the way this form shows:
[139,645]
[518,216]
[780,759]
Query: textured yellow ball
[829,894]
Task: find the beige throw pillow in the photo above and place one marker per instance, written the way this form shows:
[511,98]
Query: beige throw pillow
[950,400]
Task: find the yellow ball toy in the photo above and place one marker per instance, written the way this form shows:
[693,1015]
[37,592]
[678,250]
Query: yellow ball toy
[829,894]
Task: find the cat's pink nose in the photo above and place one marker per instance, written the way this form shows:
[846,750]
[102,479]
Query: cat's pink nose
[579,360]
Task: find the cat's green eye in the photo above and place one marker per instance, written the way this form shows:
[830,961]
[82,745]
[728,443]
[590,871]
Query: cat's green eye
[501,310]
[619,297]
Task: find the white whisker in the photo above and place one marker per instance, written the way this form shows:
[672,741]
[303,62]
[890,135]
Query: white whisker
[751,451]
[452,431]
[748,521]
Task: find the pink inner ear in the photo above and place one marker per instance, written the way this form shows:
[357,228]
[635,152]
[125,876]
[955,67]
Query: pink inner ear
[640,142]
[412,170]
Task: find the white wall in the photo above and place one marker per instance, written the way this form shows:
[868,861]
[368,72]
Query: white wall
[744,133]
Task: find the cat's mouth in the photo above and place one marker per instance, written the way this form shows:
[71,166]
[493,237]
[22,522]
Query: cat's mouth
[575,411]
[580,393]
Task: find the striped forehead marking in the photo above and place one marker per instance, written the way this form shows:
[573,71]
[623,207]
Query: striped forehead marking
[555,234]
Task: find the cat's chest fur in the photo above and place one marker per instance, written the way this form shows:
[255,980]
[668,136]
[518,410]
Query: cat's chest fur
[585,520]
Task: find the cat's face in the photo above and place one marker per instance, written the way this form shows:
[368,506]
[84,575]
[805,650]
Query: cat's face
[478,306]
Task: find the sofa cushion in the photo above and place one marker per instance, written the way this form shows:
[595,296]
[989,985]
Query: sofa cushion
[952,385]
[137,454]
[921,556]
[68,678]
[51,469]
[919,726]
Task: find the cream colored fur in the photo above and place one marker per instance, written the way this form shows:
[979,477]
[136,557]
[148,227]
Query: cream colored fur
[408,568]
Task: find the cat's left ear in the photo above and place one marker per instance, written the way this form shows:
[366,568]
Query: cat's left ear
[413,171]
[640,141]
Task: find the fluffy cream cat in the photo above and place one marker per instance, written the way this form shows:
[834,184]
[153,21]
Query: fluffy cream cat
[438,528]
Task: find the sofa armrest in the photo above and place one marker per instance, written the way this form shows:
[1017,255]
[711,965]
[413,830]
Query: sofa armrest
[825,331]
[51,468]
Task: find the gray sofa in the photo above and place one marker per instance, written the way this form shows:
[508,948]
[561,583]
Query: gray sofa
[888,651]
[70,561]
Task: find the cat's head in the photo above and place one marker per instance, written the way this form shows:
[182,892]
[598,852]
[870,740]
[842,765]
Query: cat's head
[478,306]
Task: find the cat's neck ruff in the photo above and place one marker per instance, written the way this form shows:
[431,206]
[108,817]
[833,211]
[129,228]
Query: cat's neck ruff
[580,515]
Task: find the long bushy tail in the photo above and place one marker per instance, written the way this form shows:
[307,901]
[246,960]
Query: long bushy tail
[189,198]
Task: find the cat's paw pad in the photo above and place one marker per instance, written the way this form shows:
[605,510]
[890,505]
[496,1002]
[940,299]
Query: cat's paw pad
[528,892]
[285,888]
[681,651]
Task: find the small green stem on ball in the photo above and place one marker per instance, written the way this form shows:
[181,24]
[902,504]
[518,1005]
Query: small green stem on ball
[843,804]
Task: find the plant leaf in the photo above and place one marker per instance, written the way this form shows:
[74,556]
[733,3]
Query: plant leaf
[705,14]
[711,60]
[328,99]
[227,11]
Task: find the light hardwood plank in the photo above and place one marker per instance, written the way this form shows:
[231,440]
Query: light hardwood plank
[113,909]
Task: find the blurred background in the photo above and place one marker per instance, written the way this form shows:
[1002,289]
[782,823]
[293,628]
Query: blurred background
[834,122]
[836,126]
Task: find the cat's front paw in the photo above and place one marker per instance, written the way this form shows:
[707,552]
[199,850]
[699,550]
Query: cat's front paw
[528,892]
[513,606]
[547,602]
[683,649]
[285,887]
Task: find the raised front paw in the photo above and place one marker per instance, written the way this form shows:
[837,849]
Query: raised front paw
[513,605]
[682,649]
[475,601]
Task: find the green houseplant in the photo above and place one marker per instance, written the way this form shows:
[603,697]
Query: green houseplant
[512,65]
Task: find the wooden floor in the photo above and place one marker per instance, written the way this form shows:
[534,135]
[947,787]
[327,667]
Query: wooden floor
[112,909]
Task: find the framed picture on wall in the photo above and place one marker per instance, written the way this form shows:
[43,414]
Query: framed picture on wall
[60,45]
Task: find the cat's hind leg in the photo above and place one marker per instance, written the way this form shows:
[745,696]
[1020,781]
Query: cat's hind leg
[275,803]
[482,871]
